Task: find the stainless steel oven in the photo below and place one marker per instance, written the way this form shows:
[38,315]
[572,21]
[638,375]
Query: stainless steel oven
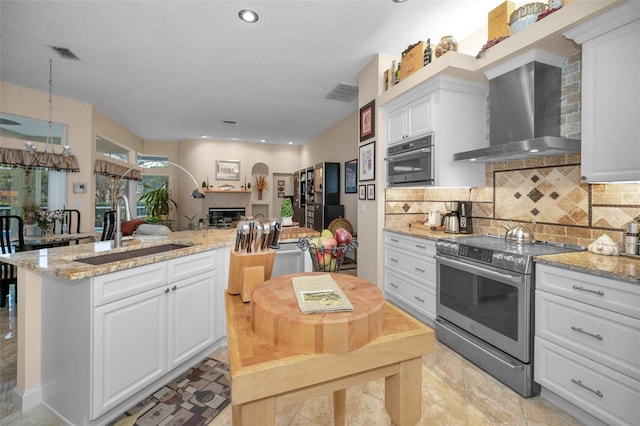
[485,304]
[411,163]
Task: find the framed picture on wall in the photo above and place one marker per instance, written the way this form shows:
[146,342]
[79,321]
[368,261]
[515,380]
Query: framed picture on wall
[368,121]
[367,162]
[371,191]
[362,192]
[351,176]
[228,170]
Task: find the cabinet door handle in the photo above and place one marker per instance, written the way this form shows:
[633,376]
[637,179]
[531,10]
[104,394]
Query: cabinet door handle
[393,285]
[579,383]
[598,292]
[174,288]
[394,240]
[579,330]
[166,290]
[393,260]
[420,247]
[420,270]
[418,299]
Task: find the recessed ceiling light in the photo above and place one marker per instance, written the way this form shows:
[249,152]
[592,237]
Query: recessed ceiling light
[203,137]
[248,16]
[234,139]
[290,143]
[262,140]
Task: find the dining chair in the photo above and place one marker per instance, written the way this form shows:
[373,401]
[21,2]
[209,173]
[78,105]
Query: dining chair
[10,226]
[72,220]
[108,225]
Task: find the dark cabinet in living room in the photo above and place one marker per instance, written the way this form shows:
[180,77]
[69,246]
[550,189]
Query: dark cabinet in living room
[327,194]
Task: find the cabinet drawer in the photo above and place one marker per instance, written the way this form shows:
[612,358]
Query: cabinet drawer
[421,298]
[408,263]
[413,244]
[603,336]
[117,285]
[598,390]
[607,293]
[192,265]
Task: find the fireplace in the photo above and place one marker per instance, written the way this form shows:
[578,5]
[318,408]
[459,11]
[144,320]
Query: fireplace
[223,217]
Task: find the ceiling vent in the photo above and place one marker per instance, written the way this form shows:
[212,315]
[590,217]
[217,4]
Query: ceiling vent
[65,53]
[343,92]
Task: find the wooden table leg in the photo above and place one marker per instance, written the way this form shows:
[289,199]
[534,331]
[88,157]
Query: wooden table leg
[339,407]
[261,412]
[403,393]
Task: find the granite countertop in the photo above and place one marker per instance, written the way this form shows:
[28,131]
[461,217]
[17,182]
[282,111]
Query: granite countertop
[62,261]
[421,233]
[624,268]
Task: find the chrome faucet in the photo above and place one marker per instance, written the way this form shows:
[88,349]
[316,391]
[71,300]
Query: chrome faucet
[117,235]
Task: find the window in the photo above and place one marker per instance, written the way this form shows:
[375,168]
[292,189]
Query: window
[154,175]
[111,149]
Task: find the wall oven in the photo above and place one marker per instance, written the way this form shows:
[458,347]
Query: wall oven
[485,304]
[411,163]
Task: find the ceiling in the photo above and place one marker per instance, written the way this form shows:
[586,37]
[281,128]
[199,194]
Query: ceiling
[175,70]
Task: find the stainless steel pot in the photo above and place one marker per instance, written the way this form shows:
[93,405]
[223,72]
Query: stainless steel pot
[519,234]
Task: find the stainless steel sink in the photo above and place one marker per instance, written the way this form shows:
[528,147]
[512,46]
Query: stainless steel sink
[124,255]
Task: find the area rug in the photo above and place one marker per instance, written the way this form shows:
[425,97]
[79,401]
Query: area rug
[192,399]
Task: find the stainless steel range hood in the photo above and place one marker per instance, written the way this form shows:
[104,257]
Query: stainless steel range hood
[524,108]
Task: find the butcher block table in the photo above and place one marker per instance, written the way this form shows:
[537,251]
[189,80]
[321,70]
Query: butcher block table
[264,378]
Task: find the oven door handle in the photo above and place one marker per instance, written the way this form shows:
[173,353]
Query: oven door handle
[407,154]
[476,270]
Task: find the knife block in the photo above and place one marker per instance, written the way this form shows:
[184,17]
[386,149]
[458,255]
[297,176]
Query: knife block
[240,269]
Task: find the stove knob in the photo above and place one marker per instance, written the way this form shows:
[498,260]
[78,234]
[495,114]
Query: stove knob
[520,261]
[508,259]
[498,256]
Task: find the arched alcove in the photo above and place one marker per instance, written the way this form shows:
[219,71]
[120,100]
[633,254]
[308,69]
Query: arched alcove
[260,202]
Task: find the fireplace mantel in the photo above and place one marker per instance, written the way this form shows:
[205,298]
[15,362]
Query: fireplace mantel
[221,198]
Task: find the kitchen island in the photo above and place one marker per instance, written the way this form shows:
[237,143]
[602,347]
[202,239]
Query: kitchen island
[54,286]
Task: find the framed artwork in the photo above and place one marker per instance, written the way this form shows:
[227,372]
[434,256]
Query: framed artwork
[280,194]
[371,191]
[368,121]
[280,183]
[228,170]
[362,192]
[351,176]
[367,162]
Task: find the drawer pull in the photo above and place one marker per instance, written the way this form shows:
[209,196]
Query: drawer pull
[174,288]
[393,260]
[393,285]
[420,270]
[420,247]
[394,240]
[166,290]
[579,383]
[418,299]
[578,329]
[598,292]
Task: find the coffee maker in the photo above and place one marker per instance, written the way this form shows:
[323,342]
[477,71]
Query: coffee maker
[464,214]
[451,219]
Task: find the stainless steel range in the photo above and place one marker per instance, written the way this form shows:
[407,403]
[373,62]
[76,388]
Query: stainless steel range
[484,305]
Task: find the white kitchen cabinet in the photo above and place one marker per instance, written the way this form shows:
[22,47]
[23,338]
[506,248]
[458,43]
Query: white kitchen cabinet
[410,274]
[113,336]
[410,121]
[454,110]
[610,95]
[587,342]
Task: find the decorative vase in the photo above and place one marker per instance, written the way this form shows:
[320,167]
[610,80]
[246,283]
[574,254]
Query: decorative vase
[260,194]
[46,231]
[30,229]
[287,220]
[446,44]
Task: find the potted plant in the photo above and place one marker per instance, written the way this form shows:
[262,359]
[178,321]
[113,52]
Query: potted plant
[29,218]
[158,202]
[286,211]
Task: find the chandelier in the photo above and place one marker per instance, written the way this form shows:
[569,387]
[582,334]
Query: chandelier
[29,146]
